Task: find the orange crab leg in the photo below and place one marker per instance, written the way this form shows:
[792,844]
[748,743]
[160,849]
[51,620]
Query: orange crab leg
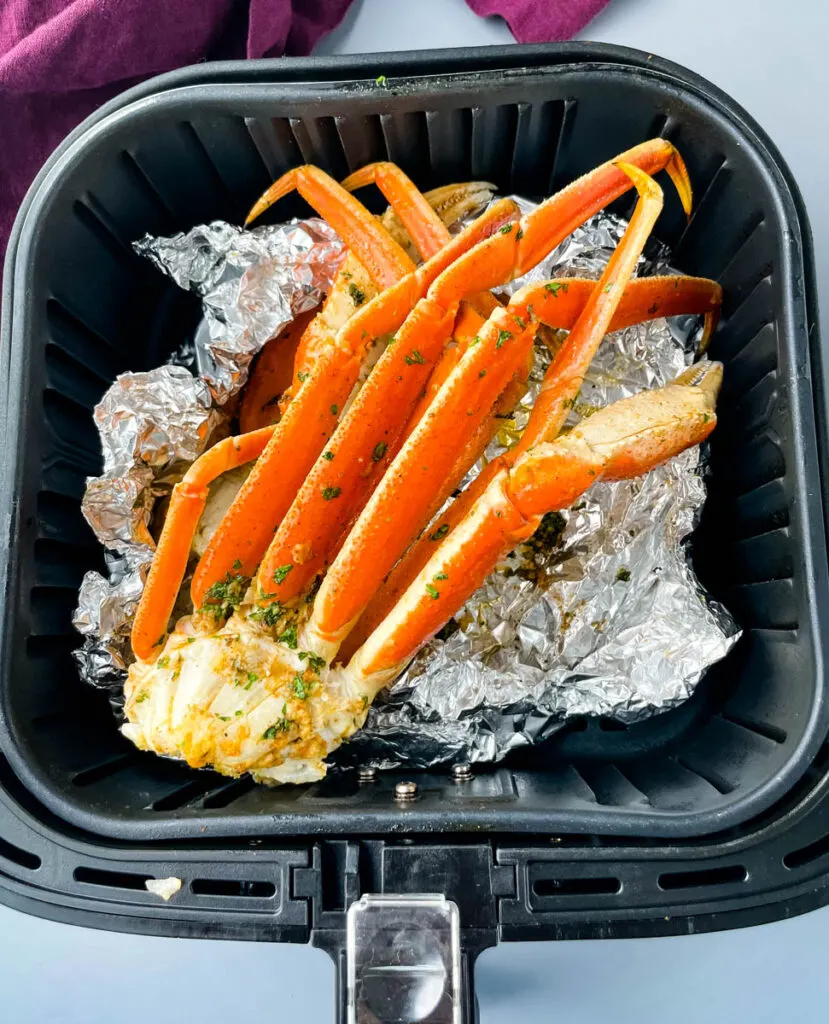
[398,508]
[494,261]
[186,506]
[557,304]
[626,439]
[271,375]
[373,246]
[310,419]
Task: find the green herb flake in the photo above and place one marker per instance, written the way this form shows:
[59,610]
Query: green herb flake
[607,287]
[288,637]
[282,725]
[315,662]
[191,639]
[554,287]
[380,450]
[505,230]
[302,376]
[237,565]
[268,616]
[223,718]
[329,493]
[281,572]
[238,714]
[481,373]
[414,357]
[225,595]
[432,592]
[253,677]
[334,409]
[440,532]
[519,235]
[502,337]
[475,341]
[300,688]
[521,323]
[440,576]
[623,575]
[357,297]
[328,455]
[163,662]
[141,697]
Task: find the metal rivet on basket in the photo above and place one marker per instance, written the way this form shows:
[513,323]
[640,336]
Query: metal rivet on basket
[367,773]
[462,772]
[405,791]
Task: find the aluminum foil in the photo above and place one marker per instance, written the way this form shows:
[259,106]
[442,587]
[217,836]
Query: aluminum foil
[604,617]
[252,284]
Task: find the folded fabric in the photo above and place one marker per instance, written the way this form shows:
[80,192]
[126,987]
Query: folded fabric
[61,59]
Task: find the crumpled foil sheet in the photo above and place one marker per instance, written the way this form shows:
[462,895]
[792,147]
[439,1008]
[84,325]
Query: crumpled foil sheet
[605,618]
[251,283]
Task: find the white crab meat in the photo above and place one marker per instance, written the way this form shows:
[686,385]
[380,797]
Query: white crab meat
[239,701]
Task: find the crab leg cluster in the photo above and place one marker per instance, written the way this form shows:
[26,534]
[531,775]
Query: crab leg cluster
[346,486]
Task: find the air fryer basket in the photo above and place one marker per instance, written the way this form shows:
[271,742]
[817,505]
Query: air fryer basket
[84,308]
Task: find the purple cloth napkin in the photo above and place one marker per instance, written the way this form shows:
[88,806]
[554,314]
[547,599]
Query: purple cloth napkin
[61,59]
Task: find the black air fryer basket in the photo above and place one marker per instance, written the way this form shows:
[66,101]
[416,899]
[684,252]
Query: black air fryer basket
[712,815]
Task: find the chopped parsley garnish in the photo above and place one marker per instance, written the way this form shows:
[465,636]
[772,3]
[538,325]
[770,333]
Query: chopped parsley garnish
[357,297]
[505,230]
[481,373]
[302,376]
[281,725]
[300,688]
[328,455]
[379,451]
[225,595]
[329,493]
[519,235]
[440,532]
[281,572]
[252,677]
[556,286]
[163,662]
[608,286]
[440,576]
[268,616]
[414,357]
[623,575]
[237,565]
[334,409]
[475,341]
[191,639]
[288,637]
[315,662]
[502,337]
[141,697]
[223,718]
[432,592]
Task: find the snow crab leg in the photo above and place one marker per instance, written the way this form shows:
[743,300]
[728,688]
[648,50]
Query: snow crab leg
[399,506]
[382,413]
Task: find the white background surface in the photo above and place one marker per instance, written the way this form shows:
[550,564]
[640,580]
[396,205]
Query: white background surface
[772,58]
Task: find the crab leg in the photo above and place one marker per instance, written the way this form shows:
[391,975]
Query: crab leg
[494,261]
[557,304]
[624,440]
[311,417]
[186,506]
[398,508]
